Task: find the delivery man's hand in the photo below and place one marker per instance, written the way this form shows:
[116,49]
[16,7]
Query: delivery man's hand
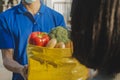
[24,72]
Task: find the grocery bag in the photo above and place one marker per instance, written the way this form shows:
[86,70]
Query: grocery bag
[54,64]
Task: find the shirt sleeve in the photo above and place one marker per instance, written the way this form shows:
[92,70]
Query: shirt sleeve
[6,39]
[59,19]
[62,21]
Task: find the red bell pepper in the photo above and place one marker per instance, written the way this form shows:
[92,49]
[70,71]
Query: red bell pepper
[39,38]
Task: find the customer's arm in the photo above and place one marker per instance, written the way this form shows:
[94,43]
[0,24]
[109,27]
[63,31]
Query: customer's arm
[11,64]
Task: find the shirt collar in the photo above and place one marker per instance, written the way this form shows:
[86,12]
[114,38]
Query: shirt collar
[22,9]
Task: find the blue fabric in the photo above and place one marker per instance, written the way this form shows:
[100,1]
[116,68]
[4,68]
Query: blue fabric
[16,24]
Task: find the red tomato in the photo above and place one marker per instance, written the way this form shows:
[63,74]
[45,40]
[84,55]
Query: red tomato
[39,38]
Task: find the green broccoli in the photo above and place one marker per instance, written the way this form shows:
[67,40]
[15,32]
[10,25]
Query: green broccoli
[60,33]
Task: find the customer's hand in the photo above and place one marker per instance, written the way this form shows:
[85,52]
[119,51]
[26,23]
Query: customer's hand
[24,72]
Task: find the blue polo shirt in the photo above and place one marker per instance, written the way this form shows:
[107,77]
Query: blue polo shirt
[16,24]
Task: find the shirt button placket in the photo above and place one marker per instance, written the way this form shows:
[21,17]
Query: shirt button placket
[38,13]
[35,23]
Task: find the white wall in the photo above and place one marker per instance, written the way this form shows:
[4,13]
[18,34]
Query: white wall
[50,2]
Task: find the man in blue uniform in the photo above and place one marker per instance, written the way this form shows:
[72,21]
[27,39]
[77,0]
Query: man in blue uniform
[16,24]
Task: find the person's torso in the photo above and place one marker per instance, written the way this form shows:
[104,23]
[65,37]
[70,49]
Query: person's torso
[21,24]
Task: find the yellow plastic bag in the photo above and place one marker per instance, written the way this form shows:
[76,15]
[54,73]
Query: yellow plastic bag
[54,64]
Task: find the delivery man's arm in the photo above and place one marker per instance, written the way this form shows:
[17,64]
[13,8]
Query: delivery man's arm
[11,64]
